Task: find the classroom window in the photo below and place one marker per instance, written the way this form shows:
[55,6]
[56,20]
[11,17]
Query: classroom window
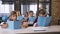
[36,5]
[6,8]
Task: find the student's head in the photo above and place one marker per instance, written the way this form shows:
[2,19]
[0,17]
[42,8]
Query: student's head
[26,14]
[13,12]
[24,23]
[13,16]
[42,12]
[31,13]
[24,20]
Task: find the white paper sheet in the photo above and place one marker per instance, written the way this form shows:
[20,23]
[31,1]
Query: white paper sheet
[38,28]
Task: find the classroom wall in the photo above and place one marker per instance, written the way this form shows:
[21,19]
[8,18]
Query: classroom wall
[55,11]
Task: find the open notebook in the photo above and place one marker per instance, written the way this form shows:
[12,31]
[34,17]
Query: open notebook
[38,28]
[13,24]
[43,21]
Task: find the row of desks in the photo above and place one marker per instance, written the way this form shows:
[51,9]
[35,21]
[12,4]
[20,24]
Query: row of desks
[33,30]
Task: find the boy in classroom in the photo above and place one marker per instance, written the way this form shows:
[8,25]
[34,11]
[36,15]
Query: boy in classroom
[12,17]
[41,13]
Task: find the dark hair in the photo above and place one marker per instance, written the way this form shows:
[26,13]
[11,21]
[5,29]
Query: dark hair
[13,12]
[26,12]
[42,11]
[30,11]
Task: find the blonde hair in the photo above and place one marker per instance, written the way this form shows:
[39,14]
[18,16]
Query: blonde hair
[18,13]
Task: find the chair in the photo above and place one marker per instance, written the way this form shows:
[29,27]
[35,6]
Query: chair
[43,21]
[13,25]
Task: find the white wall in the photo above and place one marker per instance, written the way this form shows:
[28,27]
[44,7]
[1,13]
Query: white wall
[5,9]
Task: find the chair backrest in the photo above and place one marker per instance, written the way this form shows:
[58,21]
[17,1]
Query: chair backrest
[43,21]
[19,17]
[31,19]
[13,24]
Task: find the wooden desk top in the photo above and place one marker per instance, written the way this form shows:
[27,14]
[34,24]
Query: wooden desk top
[30,30]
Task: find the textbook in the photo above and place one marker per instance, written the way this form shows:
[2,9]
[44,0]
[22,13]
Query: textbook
[31,19]
[13,25]
[43,21]
[19,17]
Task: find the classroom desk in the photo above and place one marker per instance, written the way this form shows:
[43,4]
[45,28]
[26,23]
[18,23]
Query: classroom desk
[49,30]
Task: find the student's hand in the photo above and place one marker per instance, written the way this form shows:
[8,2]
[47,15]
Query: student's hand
[4,25]
[35,25]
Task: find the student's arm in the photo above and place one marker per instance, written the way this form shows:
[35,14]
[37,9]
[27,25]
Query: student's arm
[35,25]
[4,25]
[27,19]
[35,20]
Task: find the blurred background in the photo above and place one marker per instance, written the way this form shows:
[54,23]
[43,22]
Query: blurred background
[52,8]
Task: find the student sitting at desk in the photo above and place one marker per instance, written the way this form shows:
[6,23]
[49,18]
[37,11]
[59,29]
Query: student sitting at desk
[12,17]
[26,16]
[24,23]
[31,17]
[42,13]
